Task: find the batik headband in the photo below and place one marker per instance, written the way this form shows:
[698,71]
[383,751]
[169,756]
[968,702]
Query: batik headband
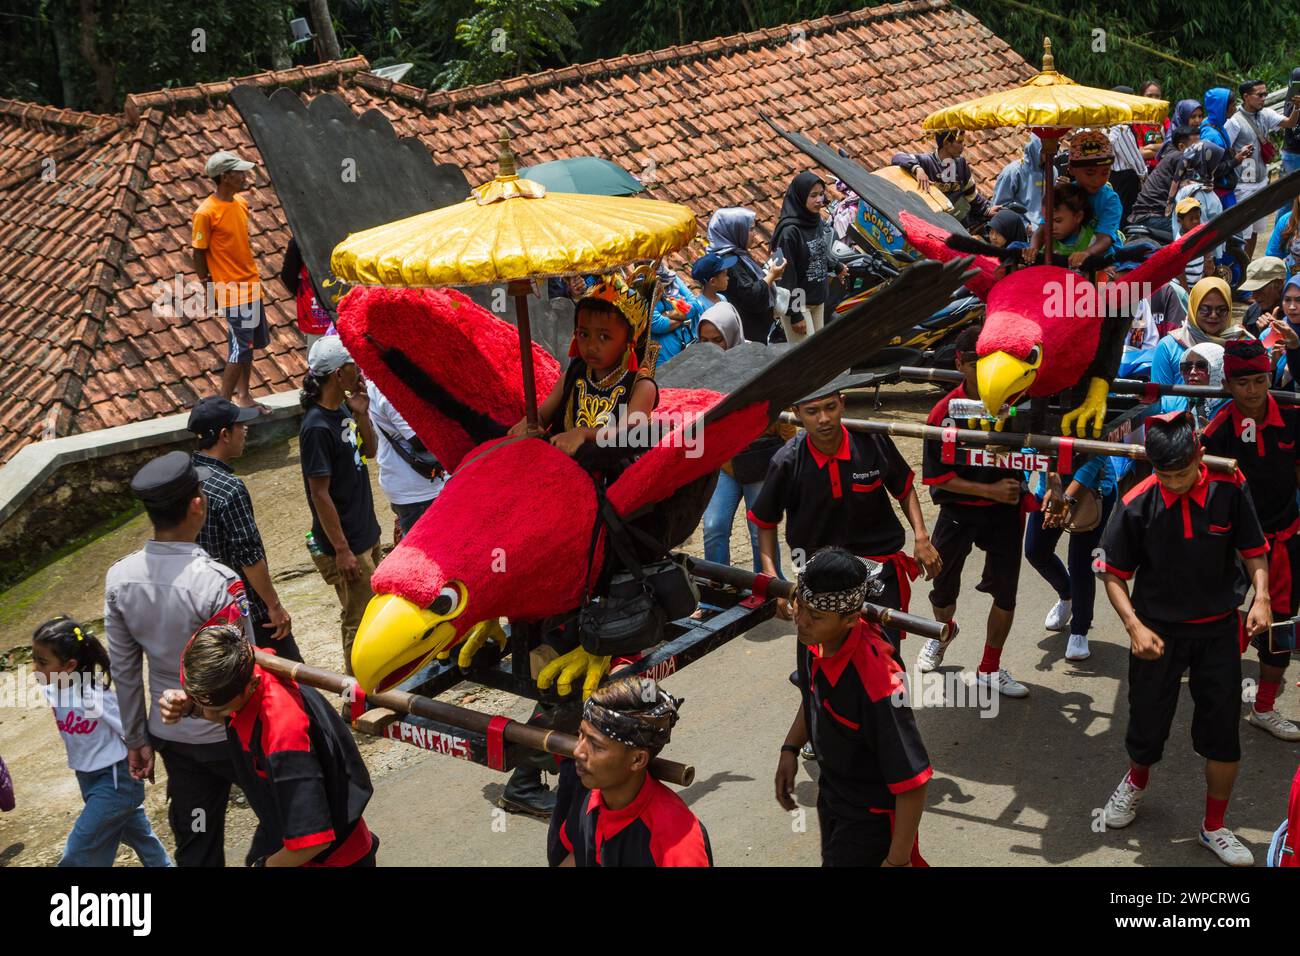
[648,728]
[838,602]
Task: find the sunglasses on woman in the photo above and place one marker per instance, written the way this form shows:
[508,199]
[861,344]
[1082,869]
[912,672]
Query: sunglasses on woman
[1206,311]
[1186,367]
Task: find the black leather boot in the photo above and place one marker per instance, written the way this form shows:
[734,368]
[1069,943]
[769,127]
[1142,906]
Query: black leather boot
[527,792]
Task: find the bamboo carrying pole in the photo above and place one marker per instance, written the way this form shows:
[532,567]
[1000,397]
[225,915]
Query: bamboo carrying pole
[886,616]
[1013,440]
[1121,386]
[534,738]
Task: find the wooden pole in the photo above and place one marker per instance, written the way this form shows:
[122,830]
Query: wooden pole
[1015,440]
[1121,386]
[520,289]
[886,616]
[534,738]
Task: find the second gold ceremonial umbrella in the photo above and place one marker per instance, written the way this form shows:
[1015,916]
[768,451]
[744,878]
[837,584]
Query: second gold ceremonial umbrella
[1050,103]
[512,230]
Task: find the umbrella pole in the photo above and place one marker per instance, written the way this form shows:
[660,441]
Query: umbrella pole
[1049,197]
[520,289]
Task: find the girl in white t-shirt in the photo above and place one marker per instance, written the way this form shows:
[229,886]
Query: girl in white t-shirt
[73,666]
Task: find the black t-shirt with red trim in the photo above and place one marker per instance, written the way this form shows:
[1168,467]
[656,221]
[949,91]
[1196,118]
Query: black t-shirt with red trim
[935,472]
[866,739]
[1183,548]
[301,771]
[655,829]
[1268,461]
[839,500]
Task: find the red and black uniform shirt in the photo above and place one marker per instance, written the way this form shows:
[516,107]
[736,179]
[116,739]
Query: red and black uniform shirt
[865,736]
[839,500]
[655,829]
[1268,462]
[935,472]
[1183,548]
[298,765]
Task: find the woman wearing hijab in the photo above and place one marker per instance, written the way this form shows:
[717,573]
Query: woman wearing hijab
[1202,364]
[1209,319]
[742,477]
[749,285]
[1021,181]
[804,239]
[1186,113]
[1007,229]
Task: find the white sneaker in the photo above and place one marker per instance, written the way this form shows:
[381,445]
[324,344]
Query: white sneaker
[1275,724]
[1122,807]
[1077,648]
[931,656]
[1227,847]
[1058,618]
[1003,683]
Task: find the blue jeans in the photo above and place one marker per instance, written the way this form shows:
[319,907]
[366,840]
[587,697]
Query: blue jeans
[114,814]
[721,514]
[1077,585]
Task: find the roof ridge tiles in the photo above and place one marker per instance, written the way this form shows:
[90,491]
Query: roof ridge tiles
[39,113]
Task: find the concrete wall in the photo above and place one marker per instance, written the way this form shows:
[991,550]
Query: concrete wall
[55,492]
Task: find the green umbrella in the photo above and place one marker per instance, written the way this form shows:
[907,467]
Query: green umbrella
[584,174]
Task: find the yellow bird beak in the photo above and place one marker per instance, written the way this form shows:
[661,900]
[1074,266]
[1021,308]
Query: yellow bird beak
[396,638]
[1002,379]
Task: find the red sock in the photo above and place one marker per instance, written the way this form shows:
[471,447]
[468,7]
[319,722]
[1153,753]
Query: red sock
[991,661]
[1266,696]
[1214,811]
[1139,778]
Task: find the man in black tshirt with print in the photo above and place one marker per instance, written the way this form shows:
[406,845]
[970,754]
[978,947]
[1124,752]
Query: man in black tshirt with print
[1261,435]
[334,441]
[854,710]
[833,487]
[1178,536]
[979,506]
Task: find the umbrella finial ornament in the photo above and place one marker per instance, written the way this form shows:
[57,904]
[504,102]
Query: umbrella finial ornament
[1049,63]
[506,157]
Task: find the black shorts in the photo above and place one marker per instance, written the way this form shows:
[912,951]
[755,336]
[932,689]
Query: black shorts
[1211,655]
[248,331]
[1284,594]
[892,597]
[997,530]
[848,842]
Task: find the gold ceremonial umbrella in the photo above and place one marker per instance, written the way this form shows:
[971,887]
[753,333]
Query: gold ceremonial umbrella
[1050,103]
[512,230]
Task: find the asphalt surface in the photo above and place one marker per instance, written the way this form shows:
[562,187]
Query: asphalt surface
[1019,787]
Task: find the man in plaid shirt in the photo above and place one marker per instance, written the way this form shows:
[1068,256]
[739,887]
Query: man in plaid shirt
[230,532]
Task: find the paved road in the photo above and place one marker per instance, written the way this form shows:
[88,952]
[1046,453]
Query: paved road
[1016,789]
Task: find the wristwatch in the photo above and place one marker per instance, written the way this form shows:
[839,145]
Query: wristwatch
[789,749]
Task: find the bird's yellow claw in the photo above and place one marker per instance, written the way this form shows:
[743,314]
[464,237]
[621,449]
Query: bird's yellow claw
[578,663]
[475,638]
[1092,410]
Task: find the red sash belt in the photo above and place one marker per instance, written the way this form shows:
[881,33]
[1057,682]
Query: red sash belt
[907,569]
[1279,569]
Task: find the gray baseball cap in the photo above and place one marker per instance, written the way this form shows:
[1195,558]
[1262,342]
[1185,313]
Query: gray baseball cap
[224,161]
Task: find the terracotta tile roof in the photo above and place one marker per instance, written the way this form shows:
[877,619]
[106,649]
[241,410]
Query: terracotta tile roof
[85,255]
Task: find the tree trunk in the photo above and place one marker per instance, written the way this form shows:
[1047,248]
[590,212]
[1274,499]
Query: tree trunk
[323,26]
[65,55]
[102,71]
[281,58]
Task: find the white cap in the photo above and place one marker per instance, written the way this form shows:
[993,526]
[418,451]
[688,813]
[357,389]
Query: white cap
[327,355]
[222,162]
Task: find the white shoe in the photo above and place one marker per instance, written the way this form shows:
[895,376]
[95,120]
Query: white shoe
[1227,847]
[931,656]
[1275,724]
[1077,648]
[1122,807]
[1058,618]
[1003,683]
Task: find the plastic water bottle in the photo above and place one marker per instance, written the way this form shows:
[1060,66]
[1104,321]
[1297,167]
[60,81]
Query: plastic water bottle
[312,547]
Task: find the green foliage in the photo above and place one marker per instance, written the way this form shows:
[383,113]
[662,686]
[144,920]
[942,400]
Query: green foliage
[144,45]
[509,37]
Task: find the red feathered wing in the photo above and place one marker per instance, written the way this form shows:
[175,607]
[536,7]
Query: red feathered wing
[932,243]
[451,367]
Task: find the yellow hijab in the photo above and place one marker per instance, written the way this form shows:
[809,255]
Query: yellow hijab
[1199,291]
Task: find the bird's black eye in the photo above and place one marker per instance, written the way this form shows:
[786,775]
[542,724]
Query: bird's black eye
[1035,355]
[446,601]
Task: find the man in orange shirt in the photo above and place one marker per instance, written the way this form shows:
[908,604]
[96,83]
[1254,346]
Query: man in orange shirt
[224,261]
